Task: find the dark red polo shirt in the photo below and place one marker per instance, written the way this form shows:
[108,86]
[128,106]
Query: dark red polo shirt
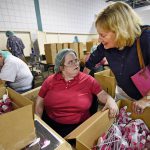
[68,102]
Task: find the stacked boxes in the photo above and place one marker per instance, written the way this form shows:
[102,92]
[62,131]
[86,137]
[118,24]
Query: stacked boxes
[50,53]
[74,46]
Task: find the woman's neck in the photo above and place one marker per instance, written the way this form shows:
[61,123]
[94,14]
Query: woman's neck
[67,77]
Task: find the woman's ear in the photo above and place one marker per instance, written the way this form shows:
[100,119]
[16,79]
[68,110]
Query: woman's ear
[61,68]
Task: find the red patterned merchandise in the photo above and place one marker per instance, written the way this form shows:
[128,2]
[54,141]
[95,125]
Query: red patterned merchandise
[125,134]
[5,104]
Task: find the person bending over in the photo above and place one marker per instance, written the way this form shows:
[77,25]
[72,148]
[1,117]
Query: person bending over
[118,27]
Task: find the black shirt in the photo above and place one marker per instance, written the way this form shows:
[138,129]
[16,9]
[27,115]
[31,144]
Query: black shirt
[124,63]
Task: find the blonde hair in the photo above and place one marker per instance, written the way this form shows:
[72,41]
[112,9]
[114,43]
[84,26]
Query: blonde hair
[121,19]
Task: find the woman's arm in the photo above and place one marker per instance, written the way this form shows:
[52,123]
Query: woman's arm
[39,106]
[95,57]
[86,70]
[109,103]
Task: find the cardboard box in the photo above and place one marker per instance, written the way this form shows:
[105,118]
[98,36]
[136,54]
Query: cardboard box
[65,45]
[89,45]
[87,134]
[81,48]
[107,80]
[57,142]
[50,53]
[32,94]
[74,46]
[59,47]
[16,127]
[2,83]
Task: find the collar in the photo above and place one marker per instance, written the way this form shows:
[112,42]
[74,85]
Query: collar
[58,76]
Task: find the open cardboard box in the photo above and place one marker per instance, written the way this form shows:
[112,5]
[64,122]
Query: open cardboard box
[107,80]
[16,127]
[56,141]
[86,135]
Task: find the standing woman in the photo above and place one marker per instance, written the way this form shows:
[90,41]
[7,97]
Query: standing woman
[66,96]
[15,45]
[119,27]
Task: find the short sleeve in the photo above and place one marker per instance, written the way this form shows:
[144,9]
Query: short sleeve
[96,87]
[8,72]
[45,87]
[95,57]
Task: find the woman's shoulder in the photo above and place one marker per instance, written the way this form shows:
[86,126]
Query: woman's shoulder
[84,76]
[145,30]
[51,77]
[145,36]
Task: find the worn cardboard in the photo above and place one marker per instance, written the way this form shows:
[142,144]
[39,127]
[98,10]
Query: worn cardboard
[107,80]
[50,53]
[87,134]
[62,143]
[16,127]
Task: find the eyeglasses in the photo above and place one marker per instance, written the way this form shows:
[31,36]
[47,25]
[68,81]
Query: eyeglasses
[72,63]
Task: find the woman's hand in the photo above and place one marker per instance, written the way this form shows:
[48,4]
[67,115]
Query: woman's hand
[112,106]
[110,103]
[139,106]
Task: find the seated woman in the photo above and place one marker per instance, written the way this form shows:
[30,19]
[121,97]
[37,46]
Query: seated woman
[66,96]
[15,72]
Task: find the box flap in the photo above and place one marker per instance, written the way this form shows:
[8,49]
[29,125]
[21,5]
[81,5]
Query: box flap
[90,129]
[18,98]
[63,144]
[23,128]
[87,134]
